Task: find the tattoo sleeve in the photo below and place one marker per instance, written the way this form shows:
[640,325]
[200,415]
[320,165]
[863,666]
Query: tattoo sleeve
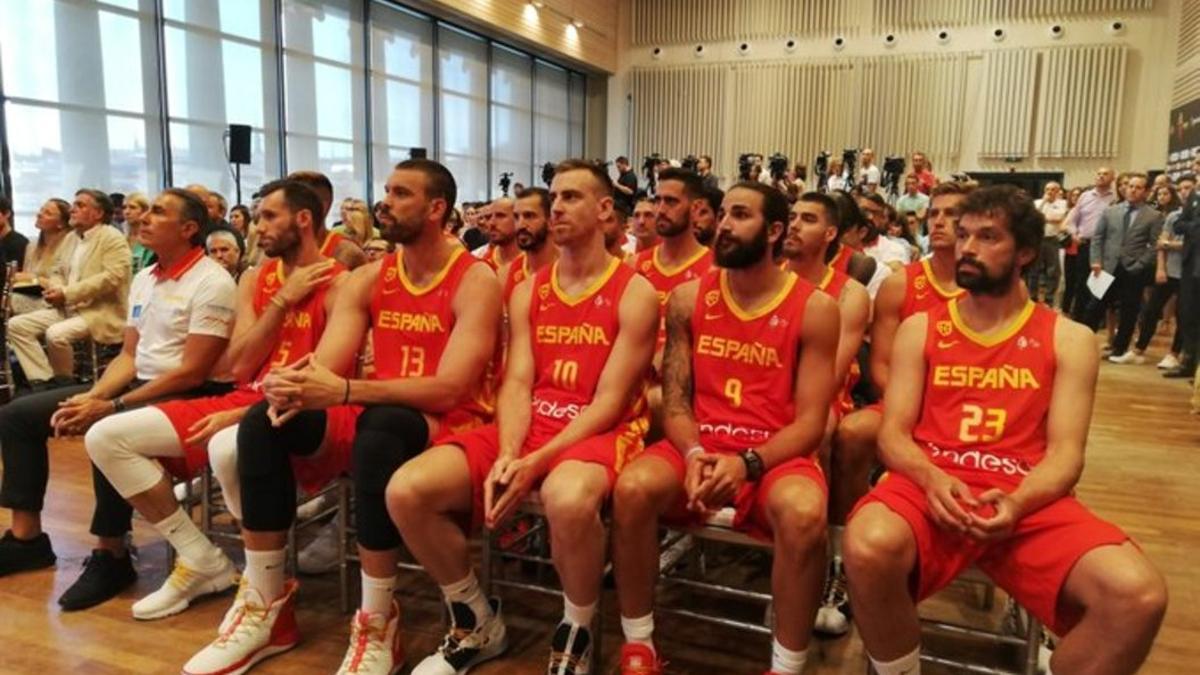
[677,363]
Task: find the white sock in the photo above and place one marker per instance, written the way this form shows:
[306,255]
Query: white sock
[264,572]
[377,594]
[196,551]
[467,592]
[835,539]
[909,664]
[577,614]
[639,630]
[786,661]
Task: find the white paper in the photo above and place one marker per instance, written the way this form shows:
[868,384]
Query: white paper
[1098,284]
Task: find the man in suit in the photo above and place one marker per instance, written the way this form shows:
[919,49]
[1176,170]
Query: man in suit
[91,304]
[1189,284]
[1124,246]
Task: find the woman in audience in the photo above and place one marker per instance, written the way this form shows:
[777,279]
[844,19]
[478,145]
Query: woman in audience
[47,261]
[357,224]
[137,207]
[239,218]
[1168,268]
[837,175]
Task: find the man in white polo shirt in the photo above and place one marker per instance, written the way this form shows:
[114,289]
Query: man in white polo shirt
[180,317]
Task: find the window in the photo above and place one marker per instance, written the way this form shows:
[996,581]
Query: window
[76,105]
[221,70]
[463,106]
[512,118]
[325,94]
[550,102]
[401,86]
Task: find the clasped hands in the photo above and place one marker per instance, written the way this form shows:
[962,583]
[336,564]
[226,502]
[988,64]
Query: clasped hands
[305,384]
[989,516]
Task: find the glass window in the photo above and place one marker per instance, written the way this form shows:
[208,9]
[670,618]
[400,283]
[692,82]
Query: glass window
[325,95]
[551,106]
[462,65]
[401,87]
[512,117]
[577,108]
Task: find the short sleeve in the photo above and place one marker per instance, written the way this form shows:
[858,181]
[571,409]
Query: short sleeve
[214,306]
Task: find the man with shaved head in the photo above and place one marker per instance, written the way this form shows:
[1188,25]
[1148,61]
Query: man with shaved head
[1081,223]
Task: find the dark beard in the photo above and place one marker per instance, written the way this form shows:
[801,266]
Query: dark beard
[532,241]
[670,229]
[740,255]
[982,283]
[705,237]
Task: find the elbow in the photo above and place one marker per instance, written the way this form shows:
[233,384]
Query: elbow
[453,395]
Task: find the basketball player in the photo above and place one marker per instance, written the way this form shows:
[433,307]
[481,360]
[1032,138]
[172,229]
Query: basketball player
[281,310]
[916,287]
[987,409]
[333,244]
[570,415]
[501,229]
[705,224]
[532,212]
[643,228]
[747,383]
[433,311]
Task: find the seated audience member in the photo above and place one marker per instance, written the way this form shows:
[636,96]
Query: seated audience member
[377,248]
[572,413]
[217,209]
[433,313]
[239,219]
[643,225]
[913,200]
[181,312]
[91,302]
[137,209]
[281,312]
[226,246]
[357,224]
[12,243]
[741,432]
[876,243]
[983,473]
[48,261]
[118,202]
[333,244]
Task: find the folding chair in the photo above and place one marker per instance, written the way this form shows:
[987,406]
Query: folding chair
[7,383]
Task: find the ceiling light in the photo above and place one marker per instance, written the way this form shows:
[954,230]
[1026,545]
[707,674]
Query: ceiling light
[577,23]
[537,4]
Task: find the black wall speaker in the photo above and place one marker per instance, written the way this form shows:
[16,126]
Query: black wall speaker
[239,144]
[418,153]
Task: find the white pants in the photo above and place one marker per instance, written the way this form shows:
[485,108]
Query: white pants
[60,331]
[222,457]
[124,446]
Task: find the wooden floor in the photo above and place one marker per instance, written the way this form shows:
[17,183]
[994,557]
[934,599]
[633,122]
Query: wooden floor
[1141,473]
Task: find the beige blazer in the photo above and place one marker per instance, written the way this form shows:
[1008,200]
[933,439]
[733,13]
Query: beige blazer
[101,296]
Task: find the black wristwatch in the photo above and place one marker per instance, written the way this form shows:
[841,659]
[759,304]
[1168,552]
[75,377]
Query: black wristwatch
[754,465]
[119,404]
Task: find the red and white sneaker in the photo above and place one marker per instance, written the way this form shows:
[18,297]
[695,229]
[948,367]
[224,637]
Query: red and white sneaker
[638,659]
[375,644]
[252,631]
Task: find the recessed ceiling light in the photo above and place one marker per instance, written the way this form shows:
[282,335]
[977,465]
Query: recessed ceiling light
[577,23]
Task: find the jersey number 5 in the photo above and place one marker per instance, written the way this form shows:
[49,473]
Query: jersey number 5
[981,425]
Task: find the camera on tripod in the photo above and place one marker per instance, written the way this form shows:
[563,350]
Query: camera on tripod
[849,160]
[691,163]
[505,182]
[745,165]
[649,164]
[548,173]
[821,167]
[893,169]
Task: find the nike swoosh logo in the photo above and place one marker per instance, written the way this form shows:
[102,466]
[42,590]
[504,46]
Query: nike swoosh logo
[711,317]
[946,344]
[390,291]
[542,308]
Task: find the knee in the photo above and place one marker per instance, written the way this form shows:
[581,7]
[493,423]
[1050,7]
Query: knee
[405,497]
[386,437]
[569,508]
[855,438]
[798,522]
[20,328]
[1136,594]
[223,458]
[255,431]
[57,337]
[104,441]
[635,495]
[871,546]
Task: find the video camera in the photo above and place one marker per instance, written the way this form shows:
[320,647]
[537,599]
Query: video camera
[548,173]
[649,162]
[849,160]
[745,164]
[777,164]
[691,163]
[821,167]
[893,169]
[505,182]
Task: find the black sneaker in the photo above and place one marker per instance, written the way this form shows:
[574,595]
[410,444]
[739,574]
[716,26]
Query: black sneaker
[833,616]
[469,641]
[104,576]
[570,650]
[17,555]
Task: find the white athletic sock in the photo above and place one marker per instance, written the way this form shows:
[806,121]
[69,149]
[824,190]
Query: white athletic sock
[639,630]
[577,614]
[786,661]
[909,664]
[377,594]
[467,592]
[264,572]
[835,539]
[196,551]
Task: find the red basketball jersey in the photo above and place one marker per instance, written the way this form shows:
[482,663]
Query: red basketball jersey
[332,239]
[303,323]
[921,290]
[744,363]
[841,261]
[518,271]
[986,397]
[665,279]
[833,283]
[572,338]
[411,325]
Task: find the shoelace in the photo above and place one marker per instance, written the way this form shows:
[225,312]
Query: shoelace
[835,590]
[454,639]
[182,576]
[366,650]
[244,621]
[559,659]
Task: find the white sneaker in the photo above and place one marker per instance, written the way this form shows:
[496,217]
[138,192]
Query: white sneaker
[1168,362]
[309,509]
[1128,357]
[570,650]
[181,490]
[254,631]
[184,585]
[321,554]
[375,645]
[466,644]
[833,616]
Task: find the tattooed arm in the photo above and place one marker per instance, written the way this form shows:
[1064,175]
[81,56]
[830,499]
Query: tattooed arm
[679,424]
